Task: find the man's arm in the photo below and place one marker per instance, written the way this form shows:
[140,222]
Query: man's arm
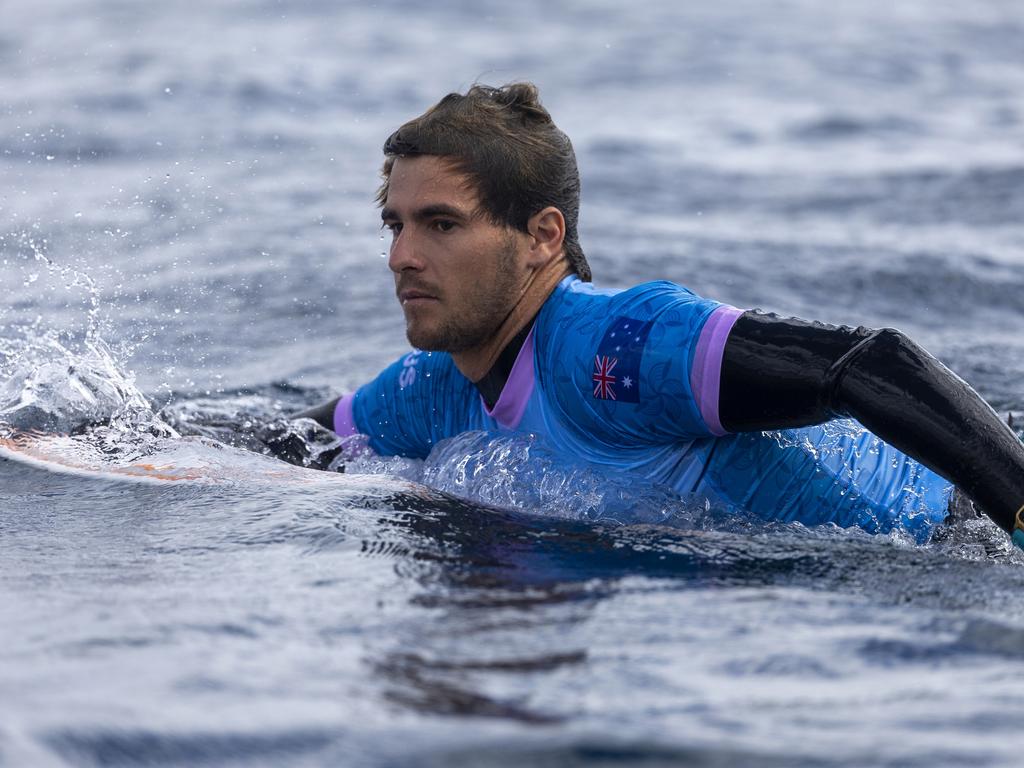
[321,414]
[780,373]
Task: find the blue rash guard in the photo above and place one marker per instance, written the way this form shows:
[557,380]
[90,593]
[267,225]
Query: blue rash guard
[629,380]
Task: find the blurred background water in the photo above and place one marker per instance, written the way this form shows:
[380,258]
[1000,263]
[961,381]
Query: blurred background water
[186,222]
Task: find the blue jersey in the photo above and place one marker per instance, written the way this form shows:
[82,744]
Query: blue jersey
[628,380]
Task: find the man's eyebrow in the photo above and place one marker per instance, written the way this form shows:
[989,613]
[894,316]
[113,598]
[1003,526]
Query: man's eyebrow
[428,212]
[441,209]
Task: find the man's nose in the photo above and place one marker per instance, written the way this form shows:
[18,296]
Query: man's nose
[404,253]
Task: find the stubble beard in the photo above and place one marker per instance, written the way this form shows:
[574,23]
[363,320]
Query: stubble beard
[476,321]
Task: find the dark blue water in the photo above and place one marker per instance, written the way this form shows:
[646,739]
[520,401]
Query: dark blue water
[189,250]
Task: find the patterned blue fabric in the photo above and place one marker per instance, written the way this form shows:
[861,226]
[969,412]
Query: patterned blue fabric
[418,400]
[612,388]
[574,331]
[838,472]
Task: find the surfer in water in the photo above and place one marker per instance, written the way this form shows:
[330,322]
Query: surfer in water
[786,418]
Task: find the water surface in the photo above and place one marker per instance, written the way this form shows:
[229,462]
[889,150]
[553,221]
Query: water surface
[188,246]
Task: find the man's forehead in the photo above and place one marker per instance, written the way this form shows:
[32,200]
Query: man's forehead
[412,179]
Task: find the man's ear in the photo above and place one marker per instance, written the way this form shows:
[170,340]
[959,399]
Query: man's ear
[547,235]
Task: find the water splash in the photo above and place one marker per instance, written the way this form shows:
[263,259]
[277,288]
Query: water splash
[68,379]
[521,472]
[47,386]
[34,251]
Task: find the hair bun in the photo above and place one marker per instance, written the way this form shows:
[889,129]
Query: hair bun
[521,97]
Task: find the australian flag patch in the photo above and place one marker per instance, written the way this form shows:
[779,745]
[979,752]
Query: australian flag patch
[617,362]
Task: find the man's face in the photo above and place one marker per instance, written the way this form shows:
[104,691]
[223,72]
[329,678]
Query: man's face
[457,274]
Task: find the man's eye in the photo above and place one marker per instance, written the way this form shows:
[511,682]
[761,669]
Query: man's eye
[444,225]
[393,226]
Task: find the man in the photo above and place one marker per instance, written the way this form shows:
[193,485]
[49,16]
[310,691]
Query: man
[481,196]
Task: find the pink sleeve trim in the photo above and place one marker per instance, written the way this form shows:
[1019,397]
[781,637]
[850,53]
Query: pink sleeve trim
[344,420]
[706,371]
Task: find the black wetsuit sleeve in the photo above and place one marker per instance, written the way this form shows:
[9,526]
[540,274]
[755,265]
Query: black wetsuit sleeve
[779,373]
[321,414]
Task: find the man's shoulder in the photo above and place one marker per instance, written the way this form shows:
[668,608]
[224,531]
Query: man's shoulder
[582,321]
[418,372]
[574,289]
[616,363]
[576,301]
[417,400]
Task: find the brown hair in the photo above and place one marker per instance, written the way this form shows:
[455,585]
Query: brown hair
[511,150]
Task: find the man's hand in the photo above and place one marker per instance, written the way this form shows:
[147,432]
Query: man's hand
[302,441]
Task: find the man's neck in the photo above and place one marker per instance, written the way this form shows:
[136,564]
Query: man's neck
[475,364]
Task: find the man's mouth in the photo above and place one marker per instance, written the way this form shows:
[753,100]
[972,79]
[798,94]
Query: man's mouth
[414,296]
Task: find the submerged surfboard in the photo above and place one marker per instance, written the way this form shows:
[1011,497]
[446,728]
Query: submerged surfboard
[181,460]
[174,462]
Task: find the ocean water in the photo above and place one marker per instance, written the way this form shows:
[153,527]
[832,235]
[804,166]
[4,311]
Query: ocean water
[189,251]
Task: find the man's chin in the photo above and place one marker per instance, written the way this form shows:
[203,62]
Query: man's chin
[424,339]
[437,340]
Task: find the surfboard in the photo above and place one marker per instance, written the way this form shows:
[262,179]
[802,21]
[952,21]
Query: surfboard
[78,455]
[65,454]
[181,460]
